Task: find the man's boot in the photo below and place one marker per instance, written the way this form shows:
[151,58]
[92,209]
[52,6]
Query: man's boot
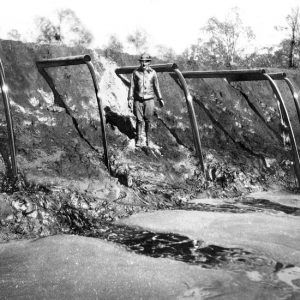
[139,139]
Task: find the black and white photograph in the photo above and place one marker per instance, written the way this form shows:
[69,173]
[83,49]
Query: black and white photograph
[149,149]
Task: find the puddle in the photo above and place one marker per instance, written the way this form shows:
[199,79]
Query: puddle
[218,208]
[263,270]
[245,205]
[257,267]
[182,248]
[267,204]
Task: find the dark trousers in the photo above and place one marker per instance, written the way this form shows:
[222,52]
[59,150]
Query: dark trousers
[143,110]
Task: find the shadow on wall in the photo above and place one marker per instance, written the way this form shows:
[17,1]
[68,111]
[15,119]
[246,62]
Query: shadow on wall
[5,156]
[123,123]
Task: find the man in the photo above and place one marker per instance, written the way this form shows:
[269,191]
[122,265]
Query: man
[143,89]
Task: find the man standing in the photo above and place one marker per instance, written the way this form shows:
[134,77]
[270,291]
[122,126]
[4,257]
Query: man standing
[143,88]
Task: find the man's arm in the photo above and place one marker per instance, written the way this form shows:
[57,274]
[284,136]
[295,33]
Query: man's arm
[130,92]
[131,88]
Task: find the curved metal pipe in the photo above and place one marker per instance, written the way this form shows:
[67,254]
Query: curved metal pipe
[191,110]
[157,67]
[287,120]
[221,73]
[10,130]
[63,61]
[100,108]
[295,96]
[75,60]
[234,75]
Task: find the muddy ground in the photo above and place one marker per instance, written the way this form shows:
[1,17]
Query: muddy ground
[220,248]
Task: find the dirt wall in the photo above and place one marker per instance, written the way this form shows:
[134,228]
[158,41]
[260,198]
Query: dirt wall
[60,138]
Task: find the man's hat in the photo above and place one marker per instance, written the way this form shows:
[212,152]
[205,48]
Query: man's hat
[145,57]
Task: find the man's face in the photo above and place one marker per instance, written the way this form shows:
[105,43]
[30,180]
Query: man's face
[144,64]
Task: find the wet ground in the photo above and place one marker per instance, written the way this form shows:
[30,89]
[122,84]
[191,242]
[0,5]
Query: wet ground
[65,267]
[266,231]
[257,236]
[182,248]
[257,264]
[195,252]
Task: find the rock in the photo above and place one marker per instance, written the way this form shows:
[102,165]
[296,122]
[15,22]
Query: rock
[84,205]
[9,218]
[30,207]
[33,214]
[19,205]
[270,162]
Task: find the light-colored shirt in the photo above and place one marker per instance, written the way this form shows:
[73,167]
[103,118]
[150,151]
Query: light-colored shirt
[144,85]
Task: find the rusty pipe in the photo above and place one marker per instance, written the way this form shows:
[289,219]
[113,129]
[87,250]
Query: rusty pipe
[77,60]
[233,75]
[63,61]
[9,122]
[194,124]
[287,120]
[221,73]
[120,72]
[100,108]
[278,75]
[157,67]
[295,96]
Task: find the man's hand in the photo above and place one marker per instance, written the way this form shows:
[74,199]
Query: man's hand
[161,102]
[130,104]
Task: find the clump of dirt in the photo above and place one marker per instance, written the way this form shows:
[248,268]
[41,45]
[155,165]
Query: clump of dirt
[36,211]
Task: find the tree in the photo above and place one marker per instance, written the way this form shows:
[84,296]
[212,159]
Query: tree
[166,53]
[139,39]
[222,42]
[67,29]
[268,57]
[48,32]
[293,27]
[114,49]
[14,35]
[114,44]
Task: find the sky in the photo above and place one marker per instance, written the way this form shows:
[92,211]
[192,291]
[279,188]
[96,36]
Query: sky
[172,23]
